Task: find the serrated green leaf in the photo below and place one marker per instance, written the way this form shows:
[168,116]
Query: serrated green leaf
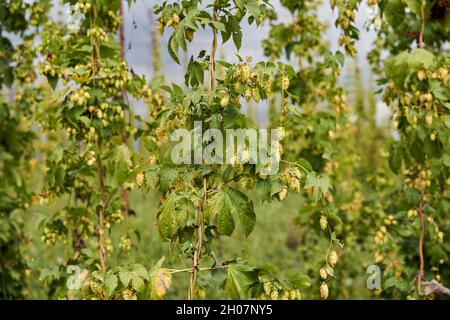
[229,202]
[111,283]
[239,279]
[53,81]
[253,8]
[305,164]
[446,160]
[137,283]
[140,270]
[173,49]
[399,67]
[320,184]
[174,214]
[395,159]
[125,277]
[414,5]
[394,12]
[225,220]
[167,222]
[439,91]
[275,187]
[237,39]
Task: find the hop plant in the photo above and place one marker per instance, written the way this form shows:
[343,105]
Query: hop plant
[140,179]
[248,94]
[98,33]
[294,184]
[284,83]
[429,119]
[79,97]
[245,73]
[323,273]
[332,258]
[295,295]
[244,157]
[324,290]
[128,294]
[283,193]
[161,280]
[117,217]
[323,222]
[125,243]
[225,100]
[281,133]
[255,94]
[200,293]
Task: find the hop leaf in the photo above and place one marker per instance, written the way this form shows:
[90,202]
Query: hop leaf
[160,281]
[239,278]
[230,202]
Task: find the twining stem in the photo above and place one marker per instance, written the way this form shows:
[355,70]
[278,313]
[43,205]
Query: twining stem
[284,109]
[212,58]
[100,169]
[199,232]
[422,195]
[173,271]
[422,24]
[101,213]
[296,164]
[199,241]
[122,30]
[125,203]
[77,240]
[422,233]
[96,55]
[123,95]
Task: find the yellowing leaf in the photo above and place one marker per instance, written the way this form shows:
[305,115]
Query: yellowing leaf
[160,281]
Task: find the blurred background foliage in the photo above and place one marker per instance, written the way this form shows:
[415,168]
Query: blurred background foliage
[338,133]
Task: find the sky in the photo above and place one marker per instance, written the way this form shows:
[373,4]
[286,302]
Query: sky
[137,22]
[138,26]
[138,43]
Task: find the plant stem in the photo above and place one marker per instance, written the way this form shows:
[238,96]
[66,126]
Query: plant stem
[100,168]
[296,164]
[199,232]
[101,214]
[212,58]
[173,271]
[96,45]
[122,30]
[422,233]
[199,241]
[124,97]
[422,24]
